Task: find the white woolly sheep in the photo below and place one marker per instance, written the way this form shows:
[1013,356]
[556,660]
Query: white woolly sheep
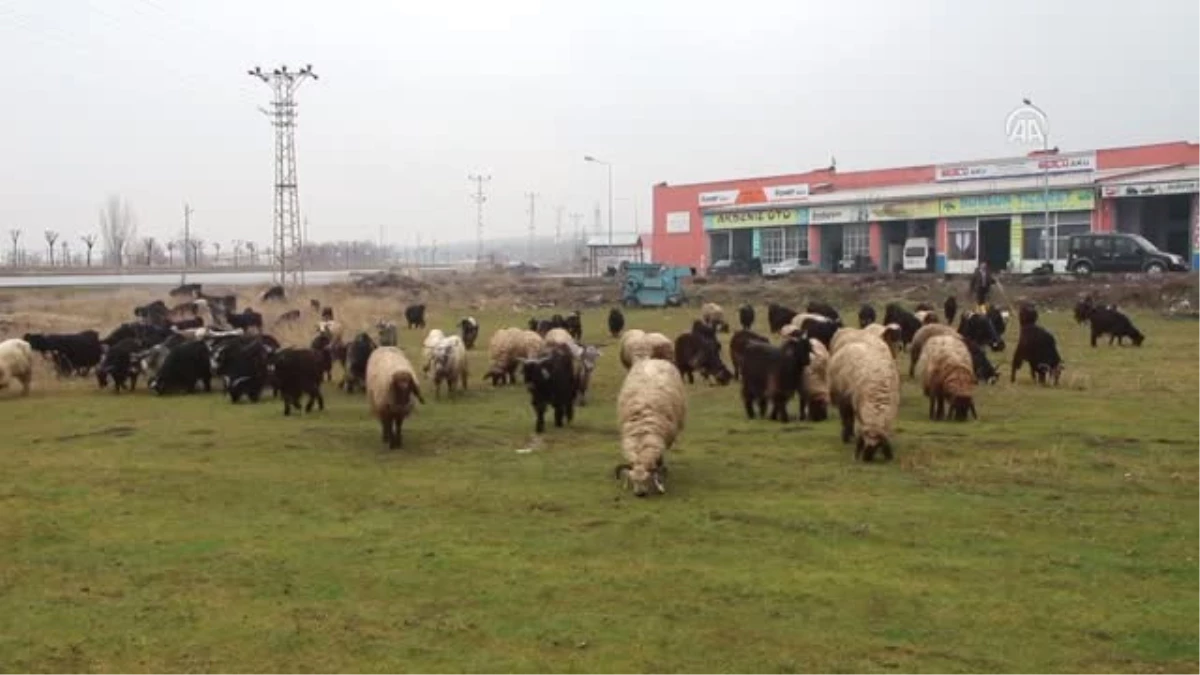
[921,337]
[391,387]
[431,340]
[651,410]
[559,336]
[889,333]
[865,386]
[449,361]
[814,399]
[712,315]
[16,363]
[848,336]
[506,348]
[947,374]
[637,345]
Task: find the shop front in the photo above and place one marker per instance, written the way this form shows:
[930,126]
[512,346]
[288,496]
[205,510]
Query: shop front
[1159,210]
[768,234]
[1011,231]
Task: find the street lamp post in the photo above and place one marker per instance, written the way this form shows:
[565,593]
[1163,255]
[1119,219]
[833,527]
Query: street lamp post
[1046,185]
[589,158]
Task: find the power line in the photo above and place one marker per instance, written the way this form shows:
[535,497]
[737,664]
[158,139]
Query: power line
[479,198]
[287,235]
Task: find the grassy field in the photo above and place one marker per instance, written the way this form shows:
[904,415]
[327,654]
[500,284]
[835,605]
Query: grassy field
[1058,533]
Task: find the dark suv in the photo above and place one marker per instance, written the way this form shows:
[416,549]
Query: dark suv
[1120,252]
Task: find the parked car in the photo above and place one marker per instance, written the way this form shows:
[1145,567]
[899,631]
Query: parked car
[859,263]
[731,267]
[789,267]
[1119,252]
[918,254]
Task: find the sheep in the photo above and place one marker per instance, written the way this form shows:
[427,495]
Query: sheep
[388,333]
[637,344]
[737,348]
[1115,324]
[816,326]
[558,336]
[16,363]
[865,387]
[469,329]
[616,322]
[506,349]
[651,411]
[779,316]
[950,308]
[889,333]
[947,374]
[920,338]
[449,365]
[712,314]
[391,387]
[773,374]
[814,392]
[926,316]
[746,316]
[870,335]
[1037,346]
[824,309]
[866,316]
[357,355]
[431,340]
[550,381]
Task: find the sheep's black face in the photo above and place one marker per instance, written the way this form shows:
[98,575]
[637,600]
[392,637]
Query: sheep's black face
[1138,339]
[818,411]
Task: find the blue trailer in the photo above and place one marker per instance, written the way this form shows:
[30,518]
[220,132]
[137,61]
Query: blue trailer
[652,284]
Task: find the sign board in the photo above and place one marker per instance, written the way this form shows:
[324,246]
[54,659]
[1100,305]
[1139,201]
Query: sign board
[760,218]
[852,213]
[1025,202]
[1036,166]
[679,222]
[1170,187]
[929,208]
[769,195]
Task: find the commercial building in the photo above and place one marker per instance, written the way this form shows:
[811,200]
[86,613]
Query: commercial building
[1016,213]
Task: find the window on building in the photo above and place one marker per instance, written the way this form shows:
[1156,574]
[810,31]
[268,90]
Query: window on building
[1038,243]
[855,241]
[719,246]
[801,247]
[783,243]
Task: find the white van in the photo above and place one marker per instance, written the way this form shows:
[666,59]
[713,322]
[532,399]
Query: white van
[918,254]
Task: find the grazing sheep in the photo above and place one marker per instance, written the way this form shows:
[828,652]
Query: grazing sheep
[1037,346]
[1115,324]
[948,375]
[889,333]
[388,333]
[920,338]
[871,335]
[469,329]
[449,365]
[908,322]
[746,316]
[814,394]
[651,411]
[391,387]
[616,322]
[950,308]
[737,348]
[712,315]
[16,363]
[698,353]
[865,386]
[415,316]
[637,344]
[866,316]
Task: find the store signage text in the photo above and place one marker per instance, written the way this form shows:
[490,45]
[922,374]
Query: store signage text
[1173,187]
[769,195]
[1026,202]
[760,218]
[1029,167]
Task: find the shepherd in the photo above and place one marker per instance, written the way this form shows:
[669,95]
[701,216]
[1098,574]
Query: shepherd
[981,284]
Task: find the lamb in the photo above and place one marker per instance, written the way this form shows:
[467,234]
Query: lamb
[948,375]
[506,349]
[918,342]
[391,387]
[651,411]
[637,344]
[449,365]
[814,394]
[712,315]
[16,363]
[865,386]
[1115,324]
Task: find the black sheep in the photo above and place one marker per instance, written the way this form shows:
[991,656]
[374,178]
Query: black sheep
[950,308]
[696,352]
[184,365]
[242,363]
[779,316]
[984,370]
[866,316]
[72,353]
[737,348]
[357,354]
[746,316]
[469,328]
[773,373]
[1038,347]
[119,365]
[415,316]
[824,309]
[550,380]
[573,324]
[908,322]
[1113,323]
[295,372]
[616,322]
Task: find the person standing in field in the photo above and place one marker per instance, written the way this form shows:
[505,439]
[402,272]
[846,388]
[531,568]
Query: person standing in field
[981,285]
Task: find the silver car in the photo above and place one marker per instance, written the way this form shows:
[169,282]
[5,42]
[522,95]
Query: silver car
[788,267]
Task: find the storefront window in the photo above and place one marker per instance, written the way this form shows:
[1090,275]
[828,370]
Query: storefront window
[855,241]
[719,246]
[783,243]
[1038,243]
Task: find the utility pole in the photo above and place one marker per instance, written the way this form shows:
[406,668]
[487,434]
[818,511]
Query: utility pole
[596,220]
[532,197]
[577,250]
[287,235]
[187,239]
[479,199]
[558,223]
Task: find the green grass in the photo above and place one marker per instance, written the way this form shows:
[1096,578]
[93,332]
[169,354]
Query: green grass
[1058,533]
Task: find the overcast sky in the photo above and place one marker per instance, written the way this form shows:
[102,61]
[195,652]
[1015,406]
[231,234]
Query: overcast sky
[150,99]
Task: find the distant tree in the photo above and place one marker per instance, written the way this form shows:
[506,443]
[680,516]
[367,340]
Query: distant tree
[118,227]
[171,252]
[51,237]
[15,235]
[89,240]
[252,251]
[197,246]
[148,246]
[216,252]
[65,259]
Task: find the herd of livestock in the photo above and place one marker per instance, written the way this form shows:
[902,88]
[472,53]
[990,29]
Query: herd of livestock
[817,359]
